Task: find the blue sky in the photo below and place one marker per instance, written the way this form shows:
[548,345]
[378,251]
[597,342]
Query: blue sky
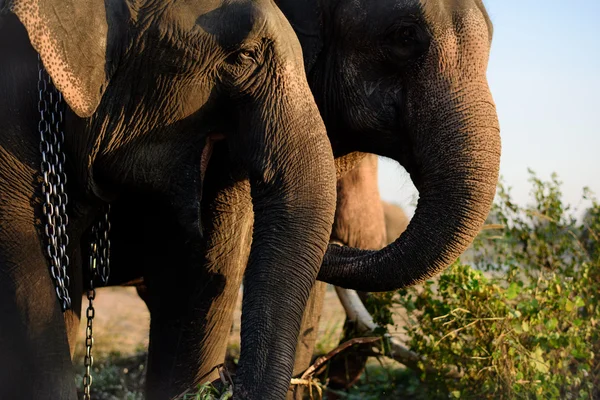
[544,73]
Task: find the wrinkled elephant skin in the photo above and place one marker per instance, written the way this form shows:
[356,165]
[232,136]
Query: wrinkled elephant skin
[147,84]
[405,79]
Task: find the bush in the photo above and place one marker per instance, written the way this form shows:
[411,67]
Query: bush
[522,320]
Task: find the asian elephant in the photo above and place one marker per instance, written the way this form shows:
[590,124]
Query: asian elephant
[405,79]
[149,86]
[413,88]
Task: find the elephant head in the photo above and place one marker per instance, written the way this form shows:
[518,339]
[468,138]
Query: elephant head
[148,83]
[406,79]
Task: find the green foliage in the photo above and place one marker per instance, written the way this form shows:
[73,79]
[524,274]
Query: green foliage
[115,377]
[381,383]
[380,307]
[122,378]
[208,391]
[522,321]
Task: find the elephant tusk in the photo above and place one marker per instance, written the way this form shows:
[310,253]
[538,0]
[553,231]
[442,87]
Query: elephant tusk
[356,310]
[208,150]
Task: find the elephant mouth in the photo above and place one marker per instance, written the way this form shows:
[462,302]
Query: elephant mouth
[209,145]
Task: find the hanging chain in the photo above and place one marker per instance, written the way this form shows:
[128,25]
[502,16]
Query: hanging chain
[104,246]
[99,267]
[50,107]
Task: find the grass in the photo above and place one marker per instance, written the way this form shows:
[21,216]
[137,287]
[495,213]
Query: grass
[115,377]
[382,382]
[122,377]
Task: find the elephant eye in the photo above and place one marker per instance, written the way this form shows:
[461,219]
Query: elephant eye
[247,55]
[405,42]
[406,35]
[242,61]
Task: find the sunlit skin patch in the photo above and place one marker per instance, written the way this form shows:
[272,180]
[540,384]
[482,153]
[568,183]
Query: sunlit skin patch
[77,90]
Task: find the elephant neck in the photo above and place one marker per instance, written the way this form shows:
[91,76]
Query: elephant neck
[82,146]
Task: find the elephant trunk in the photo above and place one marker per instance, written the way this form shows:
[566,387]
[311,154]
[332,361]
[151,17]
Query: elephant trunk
[292,180]
[454,165]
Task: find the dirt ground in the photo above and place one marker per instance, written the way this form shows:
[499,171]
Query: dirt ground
[122,322]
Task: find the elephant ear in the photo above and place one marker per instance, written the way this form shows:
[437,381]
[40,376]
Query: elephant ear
[306,17]
[71,37]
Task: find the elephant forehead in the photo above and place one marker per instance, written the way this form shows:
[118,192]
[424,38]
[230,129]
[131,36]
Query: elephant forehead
[229,23]
[463,43]
[438,15]
[441,14]
[384,12]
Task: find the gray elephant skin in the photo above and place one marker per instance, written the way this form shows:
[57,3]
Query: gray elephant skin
[404,79]
[147,85]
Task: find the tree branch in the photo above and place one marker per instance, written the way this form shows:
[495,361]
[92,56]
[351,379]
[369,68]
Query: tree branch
[357,312]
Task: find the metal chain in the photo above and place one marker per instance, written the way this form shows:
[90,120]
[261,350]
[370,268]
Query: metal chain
[99,267]
[88,360]
[50,107]
[104,246]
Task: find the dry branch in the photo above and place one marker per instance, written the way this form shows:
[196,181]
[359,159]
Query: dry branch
[323,359]
[357,312]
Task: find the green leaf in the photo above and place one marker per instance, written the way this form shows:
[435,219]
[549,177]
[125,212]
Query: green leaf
[552,323]
[520,375]
[456,394]
[534,304]
[512,291]
[569,305]
[537,361]
[517,327]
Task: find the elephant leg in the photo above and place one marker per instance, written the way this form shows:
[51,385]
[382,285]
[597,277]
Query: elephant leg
[72,317]
[228,219]
[359,222]
[150,248]
[189,283]
[142,291]
[192,308]
[34,349]
[396,221]
[168,287]
[188,339]
[308,336]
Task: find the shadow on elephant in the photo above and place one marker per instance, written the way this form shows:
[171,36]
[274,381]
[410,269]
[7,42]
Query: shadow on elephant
[411,87]
[147,86]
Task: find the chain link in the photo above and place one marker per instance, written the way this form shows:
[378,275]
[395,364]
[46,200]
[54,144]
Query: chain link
[104,246]
[55,200]
[99,267]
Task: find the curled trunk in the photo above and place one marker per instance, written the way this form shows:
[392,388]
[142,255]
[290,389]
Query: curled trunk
[455,164]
